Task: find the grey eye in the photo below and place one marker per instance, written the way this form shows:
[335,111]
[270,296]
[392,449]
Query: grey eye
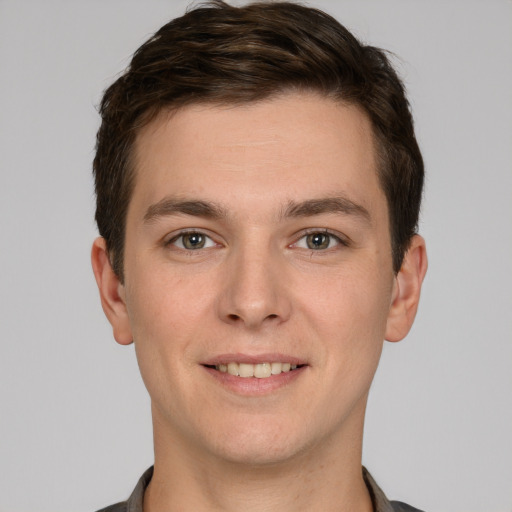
[192,241]
[318,241]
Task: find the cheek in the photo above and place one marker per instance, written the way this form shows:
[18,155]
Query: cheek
[348,314]
[357,297]
[167,314]
[164,304]
[162,321]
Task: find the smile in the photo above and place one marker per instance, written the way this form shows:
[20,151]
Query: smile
[259,370]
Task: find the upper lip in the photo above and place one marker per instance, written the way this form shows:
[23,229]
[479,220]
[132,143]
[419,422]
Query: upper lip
[254,359]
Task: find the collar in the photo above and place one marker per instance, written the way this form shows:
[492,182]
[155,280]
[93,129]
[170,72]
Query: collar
[379,500]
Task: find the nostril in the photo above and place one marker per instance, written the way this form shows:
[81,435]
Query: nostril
[233,317]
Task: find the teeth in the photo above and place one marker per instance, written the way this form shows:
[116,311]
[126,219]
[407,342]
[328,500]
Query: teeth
[260,370]
[246,370]
[233,368]
[276,368]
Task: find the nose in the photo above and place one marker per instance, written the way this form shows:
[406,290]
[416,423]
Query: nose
[254,292]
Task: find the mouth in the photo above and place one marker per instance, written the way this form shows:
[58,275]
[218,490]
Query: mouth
[258,370]
[256,374]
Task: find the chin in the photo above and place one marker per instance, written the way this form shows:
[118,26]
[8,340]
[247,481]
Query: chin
[261,444]
[258,453]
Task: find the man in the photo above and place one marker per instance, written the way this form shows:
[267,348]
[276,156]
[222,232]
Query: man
[258,186]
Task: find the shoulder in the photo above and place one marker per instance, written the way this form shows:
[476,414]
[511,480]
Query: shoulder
[136,499]
[118,507]
[398,506]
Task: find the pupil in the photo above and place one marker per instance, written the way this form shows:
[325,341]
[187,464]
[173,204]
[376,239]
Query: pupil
[194,241]
[318,241]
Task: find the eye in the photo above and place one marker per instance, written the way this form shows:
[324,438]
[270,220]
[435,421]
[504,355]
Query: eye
[318,241]
[192,241]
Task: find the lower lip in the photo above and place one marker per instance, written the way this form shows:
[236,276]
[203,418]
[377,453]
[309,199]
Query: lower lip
[252,386]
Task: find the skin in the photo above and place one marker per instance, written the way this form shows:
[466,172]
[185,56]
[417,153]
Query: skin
[257,289]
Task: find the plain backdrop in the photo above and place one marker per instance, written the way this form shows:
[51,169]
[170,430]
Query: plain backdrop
[75,430]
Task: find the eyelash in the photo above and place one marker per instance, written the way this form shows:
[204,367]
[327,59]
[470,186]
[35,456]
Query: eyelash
[181,236]
[332,236]
[209,242]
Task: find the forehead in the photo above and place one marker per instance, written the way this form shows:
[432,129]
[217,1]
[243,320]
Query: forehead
[295,146]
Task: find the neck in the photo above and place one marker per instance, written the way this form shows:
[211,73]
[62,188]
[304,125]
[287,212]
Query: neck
[325,478]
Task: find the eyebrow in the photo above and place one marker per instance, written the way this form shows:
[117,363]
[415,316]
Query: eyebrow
[337,204]
[172,206]
[308,208]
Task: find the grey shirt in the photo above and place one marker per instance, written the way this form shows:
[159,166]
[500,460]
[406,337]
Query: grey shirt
[379,500]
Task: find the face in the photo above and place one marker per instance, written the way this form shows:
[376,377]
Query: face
[258,276]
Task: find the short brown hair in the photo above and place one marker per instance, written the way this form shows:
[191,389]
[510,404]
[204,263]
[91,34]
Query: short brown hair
[220,54]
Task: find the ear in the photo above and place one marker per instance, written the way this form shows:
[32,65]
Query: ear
[112,293]
[406,290]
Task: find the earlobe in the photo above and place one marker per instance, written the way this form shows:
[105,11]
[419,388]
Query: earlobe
[111,293]
[406,294]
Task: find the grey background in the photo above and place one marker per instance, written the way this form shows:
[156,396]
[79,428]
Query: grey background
[75,430]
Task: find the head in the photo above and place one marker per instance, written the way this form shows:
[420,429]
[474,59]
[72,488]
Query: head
[223,55]
[258,189]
